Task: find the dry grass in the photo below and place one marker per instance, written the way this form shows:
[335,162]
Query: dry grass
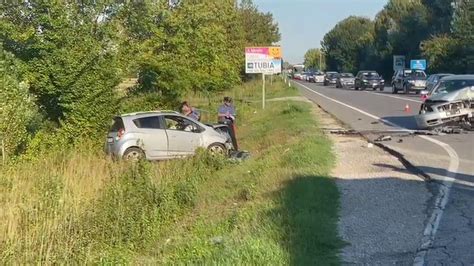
[39,199]
[78,206]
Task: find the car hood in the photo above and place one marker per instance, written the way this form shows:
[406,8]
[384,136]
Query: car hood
[347,79]
[417,78]
[459,95]
[373,78]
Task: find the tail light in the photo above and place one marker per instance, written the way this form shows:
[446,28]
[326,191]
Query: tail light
[120,133]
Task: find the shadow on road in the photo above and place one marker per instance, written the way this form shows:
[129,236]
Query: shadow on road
[407,121]
[433,171]
[373,210]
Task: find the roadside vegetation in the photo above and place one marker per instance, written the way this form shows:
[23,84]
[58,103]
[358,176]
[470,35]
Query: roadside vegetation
[278,207]
[440,31]
[61,63]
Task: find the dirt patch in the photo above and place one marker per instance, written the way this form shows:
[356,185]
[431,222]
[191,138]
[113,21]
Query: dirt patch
[382,203]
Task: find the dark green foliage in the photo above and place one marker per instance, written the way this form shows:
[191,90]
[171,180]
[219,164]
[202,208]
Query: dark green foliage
[73,55]
[343,45]
[314,59]
[439,30]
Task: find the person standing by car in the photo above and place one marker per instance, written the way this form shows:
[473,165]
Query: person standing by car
[189,111]
[226,115]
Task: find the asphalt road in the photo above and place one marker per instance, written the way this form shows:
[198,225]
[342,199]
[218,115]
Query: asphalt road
[448,161]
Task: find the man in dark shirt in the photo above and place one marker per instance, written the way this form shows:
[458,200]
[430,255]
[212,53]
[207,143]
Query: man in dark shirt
[226,115]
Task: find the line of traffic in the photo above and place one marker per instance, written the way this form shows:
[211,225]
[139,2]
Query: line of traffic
[447,180]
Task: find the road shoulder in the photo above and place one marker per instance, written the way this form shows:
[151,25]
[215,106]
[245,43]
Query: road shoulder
[383,205]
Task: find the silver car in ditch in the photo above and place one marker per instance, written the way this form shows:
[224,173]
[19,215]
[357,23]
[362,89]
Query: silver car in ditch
[162,136]
[451,100]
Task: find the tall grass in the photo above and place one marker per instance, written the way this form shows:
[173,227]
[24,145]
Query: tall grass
[78,206]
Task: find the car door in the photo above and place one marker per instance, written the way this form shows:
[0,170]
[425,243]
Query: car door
[184,135]
[357,80]
[152,136]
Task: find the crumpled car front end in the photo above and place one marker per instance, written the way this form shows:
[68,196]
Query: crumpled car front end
[446,108]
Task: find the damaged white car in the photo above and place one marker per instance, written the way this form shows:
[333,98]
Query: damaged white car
[450,101]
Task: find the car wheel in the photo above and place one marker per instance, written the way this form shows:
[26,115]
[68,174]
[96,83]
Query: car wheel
[217,149]
[394,89]
[356,88]
[133,154]
[417,92]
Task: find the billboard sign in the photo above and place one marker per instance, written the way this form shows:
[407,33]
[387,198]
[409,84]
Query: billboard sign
[398,62]
[419,64]
[263,60]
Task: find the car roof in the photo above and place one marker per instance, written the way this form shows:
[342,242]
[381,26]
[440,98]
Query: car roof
[459,77]
[146,114]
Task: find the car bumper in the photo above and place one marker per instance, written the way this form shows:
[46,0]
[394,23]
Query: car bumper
[347,84]
[416,88]
[373,85]
[436,118]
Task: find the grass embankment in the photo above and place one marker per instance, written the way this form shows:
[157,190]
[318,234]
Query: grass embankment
[278,207]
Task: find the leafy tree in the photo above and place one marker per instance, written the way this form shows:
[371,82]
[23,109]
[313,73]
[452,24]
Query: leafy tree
[314,59]
[70,56]
[16,106]
[454,52]
[260,28]
[344,42]
[440,15]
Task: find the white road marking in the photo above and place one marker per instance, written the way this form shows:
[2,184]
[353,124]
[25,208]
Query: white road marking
[443,195]
[395,97]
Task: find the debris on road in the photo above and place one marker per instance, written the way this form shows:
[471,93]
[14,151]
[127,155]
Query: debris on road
[383,138]
[375,122]
[344,132]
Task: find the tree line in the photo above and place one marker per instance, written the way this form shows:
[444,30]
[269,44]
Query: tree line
[61,61]
[441,31]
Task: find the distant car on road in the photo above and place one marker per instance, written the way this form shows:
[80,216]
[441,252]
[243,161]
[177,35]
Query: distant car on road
[304,76]
[369,79]
[330,78]
[317,77]
[162,136]
[408,80]
[345,80]
[433,79]
[297,76]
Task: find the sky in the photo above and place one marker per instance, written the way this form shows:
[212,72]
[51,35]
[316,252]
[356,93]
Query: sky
[303,23]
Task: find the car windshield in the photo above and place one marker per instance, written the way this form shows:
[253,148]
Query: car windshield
[347,75]
[417,74]
[448,86]
[370,75]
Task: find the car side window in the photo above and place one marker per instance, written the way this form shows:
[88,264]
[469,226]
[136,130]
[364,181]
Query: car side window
[151,122]
[181,124]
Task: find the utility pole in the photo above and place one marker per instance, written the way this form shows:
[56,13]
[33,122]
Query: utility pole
[263,90]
